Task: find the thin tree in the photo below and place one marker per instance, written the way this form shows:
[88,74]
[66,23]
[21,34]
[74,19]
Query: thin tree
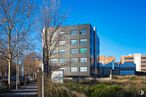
[31,64]
[52,19]
[15,25]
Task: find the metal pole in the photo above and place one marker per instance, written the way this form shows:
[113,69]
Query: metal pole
[43,43]
[42,80]
[17,75]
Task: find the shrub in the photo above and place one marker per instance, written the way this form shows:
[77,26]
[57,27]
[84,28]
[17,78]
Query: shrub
[3,88]
[104,90]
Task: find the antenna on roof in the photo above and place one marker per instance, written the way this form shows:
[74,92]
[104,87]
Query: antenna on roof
[94,28]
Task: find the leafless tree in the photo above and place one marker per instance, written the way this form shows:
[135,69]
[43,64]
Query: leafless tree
[51,25]
[15,25]
[3,67]
[31,63]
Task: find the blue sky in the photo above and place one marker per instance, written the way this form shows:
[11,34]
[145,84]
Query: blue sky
[121,24]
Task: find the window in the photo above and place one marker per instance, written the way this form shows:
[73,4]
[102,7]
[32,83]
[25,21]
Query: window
[73,42]
[54,52]
[74,69]
[143,57]
[74,59]
[83,59]
[55,33]
[83,69]
[54,60]
[83,41]
[73,32]
[83,31]
[62,51]
[62,60]
[83,50]
[129,58]
[74,51]
[62,32]
[62,42]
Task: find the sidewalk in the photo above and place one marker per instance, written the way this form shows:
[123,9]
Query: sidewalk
[30,90]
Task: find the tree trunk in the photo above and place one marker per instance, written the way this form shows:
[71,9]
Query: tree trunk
[9,73]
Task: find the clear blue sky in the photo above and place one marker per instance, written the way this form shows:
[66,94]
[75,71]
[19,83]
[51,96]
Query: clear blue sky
[121,24]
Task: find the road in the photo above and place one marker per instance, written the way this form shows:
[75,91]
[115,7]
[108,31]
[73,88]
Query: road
[29,90]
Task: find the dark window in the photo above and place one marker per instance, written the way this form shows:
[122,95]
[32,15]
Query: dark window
[62,60]
[143,61]
[143,57]
[83,41]
[73,42]
[74,51]
[74,59]
[61,52]
[73,32]
[83,60]
[128,58]
[83,50]
[83,31]
[54,52]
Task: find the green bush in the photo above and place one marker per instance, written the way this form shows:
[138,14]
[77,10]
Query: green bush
[103,90]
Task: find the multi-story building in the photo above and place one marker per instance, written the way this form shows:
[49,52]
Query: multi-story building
[106,60]
[78,51]
[138,59]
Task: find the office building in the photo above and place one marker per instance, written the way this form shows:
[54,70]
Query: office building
[78,51]
[138,59]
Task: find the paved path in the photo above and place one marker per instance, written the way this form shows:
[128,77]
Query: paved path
[29,90]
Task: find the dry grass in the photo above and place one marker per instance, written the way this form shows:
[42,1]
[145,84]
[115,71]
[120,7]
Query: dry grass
[128,86]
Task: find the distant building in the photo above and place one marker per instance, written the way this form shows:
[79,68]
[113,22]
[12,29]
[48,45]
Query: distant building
[127,68]
[106,60]
[138,59]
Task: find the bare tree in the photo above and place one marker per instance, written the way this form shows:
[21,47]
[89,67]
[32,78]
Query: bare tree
[51,20]
[15,24]
[31,63]
[3,67]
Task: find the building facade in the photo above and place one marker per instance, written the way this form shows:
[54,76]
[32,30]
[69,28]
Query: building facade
[138,59]
[127,68]
[106,60]
[78,51]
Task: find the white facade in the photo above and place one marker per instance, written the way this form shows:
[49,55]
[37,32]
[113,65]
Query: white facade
[137,61]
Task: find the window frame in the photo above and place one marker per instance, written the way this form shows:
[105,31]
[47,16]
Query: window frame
[73,69]
[73,60]
[83,42]
[84,50]
[61,51]
[83,69]
[63,61]
[54,59]
[83,31]
[62,42]
[74,49]
[72,32]
[71,41]
[83,58]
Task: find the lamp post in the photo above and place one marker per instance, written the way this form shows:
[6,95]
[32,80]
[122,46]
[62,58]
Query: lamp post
[17,67]
[113,67]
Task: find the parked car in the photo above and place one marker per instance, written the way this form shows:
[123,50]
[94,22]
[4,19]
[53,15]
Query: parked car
[22,80]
